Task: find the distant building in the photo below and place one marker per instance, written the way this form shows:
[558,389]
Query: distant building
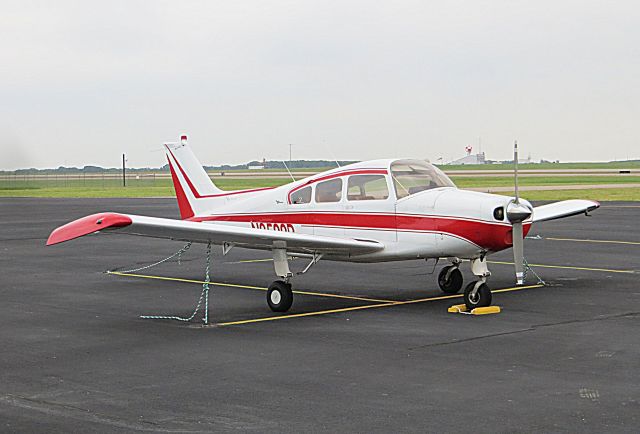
[471,158]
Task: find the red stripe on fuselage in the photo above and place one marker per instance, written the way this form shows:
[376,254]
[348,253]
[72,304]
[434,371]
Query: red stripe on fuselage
[488,235]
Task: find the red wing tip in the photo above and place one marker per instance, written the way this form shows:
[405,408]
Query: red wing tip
[87,225]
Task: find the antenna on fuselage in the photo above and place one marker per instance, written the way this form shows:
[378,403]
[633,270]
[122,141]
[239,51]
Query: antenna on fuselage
[328,148]
[285,166]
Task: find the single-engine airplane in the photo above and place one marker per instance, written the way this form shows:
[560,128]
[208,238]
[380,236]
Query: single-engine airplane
[372,211]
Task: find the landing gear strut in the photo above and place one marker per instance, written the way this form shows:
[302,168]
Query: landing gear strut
[279,294]
[450,279]
[478,294]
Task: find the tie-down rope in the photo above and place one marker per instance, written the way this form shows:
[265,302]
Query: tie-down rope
[204,295]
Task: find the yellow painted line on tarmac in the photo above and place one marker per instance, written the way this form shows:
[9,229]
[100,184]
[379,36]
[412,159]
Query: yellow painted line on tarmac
[368,306]
[299,315]
[635,243]
[233,285]
[178,279]
[348,297]
[566,267]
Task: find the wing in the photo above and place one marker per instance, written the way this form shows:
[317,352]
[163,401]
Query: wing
[565,208]
[209,232]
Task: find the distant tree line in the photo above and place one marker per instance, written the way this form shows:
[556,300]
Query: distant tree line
[294,164]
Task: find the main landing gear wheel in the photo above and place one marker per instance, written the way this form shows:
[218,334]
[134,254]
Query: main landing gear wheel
[280,296]
[481,298]
[452,284]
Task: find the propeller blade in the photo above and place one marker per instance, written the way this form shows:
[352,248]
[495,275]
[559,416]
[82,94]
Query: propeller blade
[515,171]
[516,213]
[518,252]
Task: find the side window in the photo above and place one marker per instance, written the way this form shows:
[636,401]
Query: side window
[329,191]
[367,187]
[301,196]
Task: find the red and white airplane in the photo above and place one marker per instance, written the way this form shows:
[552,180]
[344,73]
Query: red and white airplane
[373,211]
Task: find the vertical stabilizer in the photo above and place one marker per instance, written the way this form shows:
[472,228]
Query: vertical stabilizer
[192,184]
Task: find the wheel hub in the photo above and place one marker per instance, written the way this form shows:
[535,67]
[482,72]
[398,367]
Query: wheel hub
[276,297]
[474,298]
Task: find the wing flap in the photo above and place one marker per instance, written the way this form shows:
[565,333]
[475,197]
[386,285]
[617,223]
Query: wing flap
[209,232]
[565,208]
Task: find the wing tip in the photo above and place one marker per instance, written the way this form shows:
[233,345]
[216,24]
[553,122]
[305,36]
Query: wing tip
[87,225]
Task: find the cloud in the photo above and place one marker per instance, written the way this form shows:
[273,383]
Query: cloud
[91,80]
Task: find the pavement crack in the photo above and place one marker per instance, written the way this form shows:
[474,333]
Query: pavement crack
[475,338]
[528,329]
[66,410]
[598,318]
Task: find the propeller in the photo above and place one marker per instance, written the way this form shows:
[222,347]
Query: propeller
[517,213]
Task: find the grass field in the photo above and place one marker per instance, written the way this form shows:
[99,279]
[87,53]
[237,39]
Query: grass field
[163,187]
[470,181]
[599,194]
[548,166]
[113,187]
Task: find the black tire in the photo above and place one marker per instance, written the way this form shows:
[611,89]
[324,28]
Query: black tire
[280,296]
[454,284]
[482,298]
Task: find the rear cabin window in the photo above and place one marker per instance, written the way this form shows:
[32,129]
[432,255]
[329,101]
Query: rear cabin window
[301,196]
[367,187]
[329,191]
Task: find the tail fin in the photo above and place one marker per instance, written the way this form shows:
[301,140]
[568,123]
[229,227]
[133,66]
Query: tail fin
[191,182]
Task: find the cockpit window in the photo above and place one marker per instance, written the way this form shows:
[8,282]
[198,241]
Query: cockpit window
[413,176]
[367,187]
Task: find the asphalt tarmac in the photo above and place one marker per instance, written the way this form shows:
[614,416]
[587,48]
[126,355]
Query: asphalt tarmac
[76,357]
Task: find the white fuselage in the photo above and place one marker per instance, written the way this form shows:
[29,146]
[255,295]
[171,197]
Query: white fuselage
[442,221]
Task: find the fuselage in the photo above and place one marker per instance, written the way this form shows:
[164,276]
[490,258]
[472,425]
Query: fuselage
[410,206]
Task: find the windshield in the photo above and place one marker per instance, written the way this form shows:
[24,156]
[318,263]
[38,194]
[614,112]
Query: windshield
[413,176]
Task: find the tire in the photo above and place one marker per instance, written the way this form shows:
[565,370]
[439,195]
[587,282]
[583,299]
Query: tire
[482,298]
[280,296]
[454,284]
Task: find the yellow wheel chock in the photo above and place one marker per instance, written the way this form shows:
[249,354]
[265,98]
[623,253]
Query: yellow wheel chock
[461,308]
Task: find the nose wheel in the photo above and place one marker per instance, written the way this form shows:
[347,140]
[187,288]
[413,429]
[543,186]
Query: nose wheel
[450,279]
[280,296]
[477,294]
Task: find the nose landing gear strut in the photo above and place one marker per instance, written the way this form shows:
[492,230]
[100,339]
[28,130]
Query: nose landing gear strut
[478,294]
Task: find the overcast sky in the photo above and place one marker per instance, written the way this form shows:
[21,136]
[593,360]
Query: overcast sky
[82,81]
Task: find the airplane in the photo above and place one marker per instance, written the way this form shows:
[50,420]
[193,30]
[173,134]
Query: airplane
[366,212]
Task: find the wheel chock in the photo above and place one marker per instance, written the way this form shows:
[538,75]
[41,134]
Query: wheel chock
[485,310]
[457,308]
[461,308]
